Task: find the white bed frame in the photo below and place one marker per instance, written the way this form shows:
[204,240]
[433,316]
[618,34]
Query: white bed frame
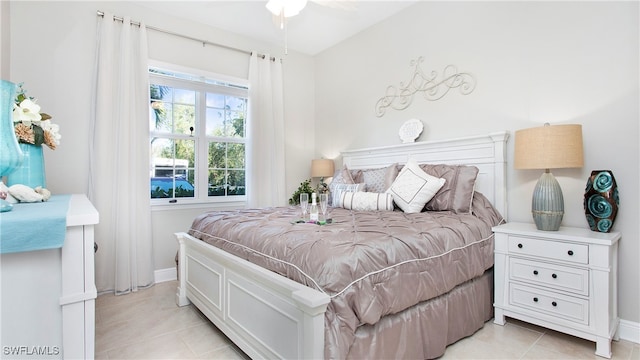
[270,316]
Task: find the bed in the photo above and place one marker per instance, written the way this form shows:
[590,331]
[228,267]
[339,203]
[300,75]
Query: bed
[272,286]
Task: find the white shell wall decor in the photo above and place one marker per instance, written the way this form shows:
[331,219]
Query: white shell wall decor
[410,130]
[431,87]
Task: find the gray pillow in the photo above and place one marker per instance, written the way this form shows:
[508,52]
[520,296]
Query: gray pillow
[457,193]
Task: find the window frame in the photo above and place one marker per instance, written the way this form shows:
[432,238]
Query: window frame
[202,82]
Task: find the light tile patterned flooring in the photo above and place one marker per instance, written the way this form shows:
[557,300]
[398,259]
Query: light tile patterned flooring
[148,325]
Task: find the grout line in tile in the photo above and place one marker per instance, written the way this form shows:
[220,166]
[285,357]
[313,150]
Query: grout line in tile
[534,343]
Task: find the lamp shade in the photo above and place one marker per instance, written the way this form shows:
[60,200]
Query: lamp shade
[322,168]
[549,147]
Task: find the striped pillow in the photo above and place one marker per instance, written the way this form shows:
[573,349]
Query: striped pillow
[338,189]
[366,201]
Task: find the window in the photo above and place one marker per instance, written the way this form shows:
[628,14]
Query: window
[197,138]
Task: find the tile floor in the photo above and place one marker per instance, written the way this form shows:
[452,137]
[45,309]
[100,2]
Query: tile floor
[148,325]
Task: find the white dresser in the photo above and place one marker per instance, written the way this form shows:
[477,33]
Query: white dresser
[563,280]
[48,295]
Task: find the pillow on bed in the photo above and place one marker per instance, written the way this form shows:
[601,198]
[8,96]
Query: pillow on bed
[338,189]
[365,201]
[378,180]
[413,188]
[457,193]
[341,176]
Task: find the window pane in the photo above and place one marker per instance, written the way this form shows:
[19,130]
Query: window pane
[236,182]
[185,150]
[161,115]
[235,124]
[182,96]
[172,171]
[161,148]
[217,155]
[236,103]
[167,187]
[215,122]
[160,92]
[235,156]
[215,100]
[217,183]
[185,118]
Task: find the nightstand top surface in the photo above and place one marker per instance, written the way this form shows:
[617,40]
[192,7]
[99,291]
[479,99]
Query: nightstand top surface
[565,233]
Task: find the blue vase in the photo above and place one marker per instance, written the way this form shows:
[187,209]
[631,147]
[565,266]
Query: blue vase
[31,171]
[601,200]
[10,154]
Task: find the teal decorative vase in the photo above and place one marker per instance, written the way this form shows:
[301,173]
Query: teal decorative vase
[10,153]
[601,200]
[31,172]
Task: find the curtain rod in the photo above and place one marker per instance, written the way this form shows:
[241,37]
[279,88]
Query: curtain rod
[203,42]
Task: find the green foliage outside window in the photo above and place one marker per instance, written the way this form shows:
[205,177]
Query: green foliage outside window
[174,113]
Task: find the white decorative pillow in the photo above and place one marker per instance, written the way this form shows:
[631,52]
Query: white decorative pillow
[413,188]
[365,201]
[338,189]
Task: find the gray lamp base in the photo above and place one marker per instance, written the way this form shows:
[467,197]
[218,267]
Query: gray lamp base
[547,205]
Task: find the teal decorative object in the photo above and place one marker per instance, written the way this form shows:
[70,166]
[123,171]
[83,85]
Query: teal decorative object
[601,200]
[31,171]
[10,153]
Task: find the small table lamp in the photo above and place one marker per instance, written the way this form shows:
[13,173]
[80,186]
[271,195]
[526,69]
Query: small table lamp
[322,168]
[548,147]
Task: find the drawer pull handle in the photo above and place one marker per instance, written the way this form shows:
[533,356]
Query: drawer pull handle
[554,303]
[570,252]
[535,272]
[519,246]
[535,299]
[554,276]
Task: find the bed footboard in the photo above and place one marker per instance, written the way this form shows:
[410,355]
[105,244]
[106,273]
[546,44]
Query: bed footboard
[263,313]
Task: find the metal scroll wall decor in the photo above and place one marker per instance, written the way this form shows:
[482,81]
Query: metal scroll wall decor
[432,87]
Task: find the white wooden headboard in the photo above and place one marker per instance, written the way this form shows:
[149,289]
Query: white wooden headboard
[486,152]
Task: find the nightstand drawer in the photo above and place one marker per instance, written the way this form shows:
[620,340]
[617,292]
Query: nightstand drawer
[563,251]
[557,305]
[558,277]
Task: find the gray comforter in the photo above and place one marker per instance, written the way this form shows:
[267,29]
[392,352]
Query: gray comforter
[371,264]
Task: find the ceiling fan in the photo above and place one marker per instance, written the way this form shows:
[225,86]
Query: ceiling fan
[283,9]
[289,8]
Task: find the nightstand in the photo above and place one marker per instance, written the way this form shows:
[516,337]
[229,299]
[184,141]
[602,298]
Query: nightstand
[563,280]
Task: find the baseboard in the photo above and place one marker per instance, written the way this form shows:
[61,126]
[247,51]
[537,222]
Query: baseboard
[629,330]
[163,275]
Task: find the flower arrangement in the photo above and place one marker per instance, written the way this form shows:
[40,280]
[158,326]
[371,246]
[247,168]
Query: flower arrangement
[32,126]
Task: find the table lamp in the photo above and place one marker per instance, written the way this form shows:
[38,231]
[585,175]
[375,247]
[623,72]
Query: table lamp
[322,168]
[548,147]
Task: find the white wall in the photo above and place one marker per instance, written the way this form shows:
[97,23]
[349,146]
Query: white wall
[534,62]
[4,39]
[52,52]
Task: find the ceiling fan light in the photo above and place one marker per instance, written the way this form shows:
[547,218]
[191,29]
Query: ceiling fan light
[287,8]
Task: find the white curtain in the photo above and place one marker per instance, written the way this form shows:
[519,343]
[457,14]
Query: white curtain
[119,153]
[265,132]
